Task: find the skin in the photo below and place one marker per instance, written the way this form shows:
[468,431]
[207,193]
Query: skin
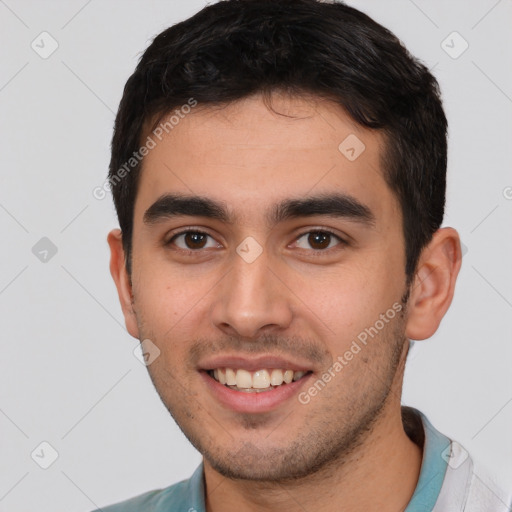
[303,304]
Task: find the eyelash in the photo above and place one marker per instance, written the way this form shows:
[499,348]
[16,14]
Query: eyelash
[318,252]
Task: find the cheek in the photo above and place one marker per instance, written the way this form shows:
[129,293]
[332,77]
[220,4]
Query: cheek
[169,301]
[347,300]
[160,299]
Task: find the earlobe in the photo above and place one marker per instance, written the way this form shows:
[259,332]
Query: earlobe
[434,284]
[122,280]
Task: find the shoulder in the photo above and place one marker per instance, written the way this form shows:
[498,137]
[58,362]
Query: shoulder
[187,495]
[485,495]
[152,501]
[468,486]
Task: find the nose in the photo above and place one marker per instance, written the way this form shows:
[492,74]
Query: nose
[252,299]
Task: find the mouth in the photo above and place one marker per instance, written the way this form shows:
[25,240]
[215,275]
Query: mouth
[259,381]
[257,384]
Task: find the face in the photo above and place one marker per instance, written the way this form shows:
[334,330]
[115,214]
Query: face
[268,269]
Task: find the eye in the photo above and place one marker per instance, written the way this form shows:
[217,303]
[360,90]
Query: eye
[190,240]
[319,240]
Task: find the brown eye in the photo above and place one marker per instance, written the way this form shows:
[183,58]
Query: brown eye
[192,240]
[318,240]
[195,240]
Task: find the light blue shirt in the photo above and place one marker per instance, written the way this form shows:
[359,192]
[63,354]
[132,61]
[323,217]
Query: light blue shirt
[441,487]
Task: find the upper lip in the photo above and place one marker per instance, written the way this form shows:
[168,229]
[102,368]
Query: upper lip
[252,364]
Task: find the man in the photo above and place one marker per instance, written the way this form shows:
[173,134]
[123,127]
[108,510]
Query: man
[278,170]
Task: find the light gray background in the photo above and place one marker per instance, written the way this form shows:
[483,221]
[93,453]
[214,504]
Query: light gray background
[67,369]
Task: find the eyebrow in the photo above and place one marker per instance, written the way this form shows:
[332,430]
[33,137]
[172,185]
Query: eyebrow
[331,205]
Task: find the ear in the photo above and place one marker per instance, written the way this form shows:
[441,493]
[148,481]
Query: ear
[122,280]
[434,284]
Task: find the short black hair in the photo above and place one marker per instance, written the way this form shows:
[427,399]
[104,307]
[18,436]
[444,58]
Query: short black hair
[236,48]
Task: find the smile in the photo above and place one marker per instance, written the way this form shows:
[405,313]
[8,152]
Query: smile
[257,381]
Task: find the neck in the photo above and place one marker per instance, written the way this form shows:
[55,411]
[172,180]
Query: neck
[380,474]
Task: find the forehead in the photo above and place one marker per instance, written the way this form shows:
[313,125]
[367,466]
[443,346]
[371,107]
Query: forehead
[250,157]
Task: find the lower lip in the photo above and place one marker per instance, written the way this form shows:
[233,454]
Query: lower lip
[253,402]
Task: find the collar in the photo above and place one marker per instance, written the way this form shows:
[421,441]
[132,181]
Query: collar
[436,449]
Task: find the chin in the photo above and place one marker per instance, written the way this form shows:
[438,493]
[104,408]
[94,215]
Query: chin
[271,465]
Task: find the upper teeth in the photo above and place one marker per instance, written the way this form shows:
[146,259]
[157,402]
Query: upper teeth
[259,379]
